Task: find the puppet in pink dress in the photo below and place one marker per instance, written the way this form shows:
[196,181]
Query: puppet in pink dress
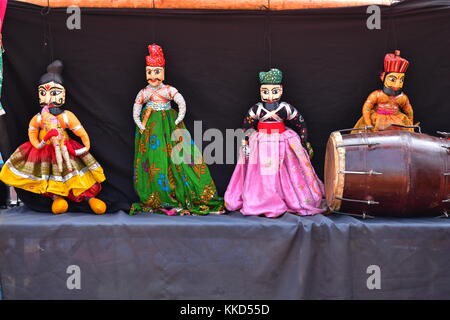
[274,174]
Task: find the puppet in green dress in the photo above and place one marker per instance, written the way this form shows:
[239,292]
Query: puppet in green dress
[170,176]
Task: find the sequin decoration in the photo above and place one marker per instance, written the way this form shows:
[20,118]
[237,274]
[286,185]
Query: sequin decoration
[274,76]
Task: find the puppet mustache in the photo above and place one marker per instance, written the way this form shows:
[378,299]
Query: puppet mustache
[51,104]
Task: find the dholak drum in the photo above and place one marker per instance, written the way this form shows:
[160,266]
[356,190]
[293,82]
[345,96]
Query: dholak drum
[388,173]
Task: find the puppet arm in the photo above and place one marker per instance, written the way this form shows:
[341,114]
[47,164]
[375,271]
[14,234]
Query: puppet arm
[297,123]
[137,108]
[367,108]
[250,124]
[76,127]
[33,133]
[408,110]
[179,100]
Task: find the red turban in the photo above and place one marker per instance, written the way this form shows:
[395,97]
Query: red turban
[156,57]
[395,63]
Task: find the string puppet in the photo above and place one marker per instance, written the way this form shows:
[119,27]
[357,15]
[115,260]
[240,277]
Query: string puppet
[274,174]
[51,163]
[388,106]
[170,176]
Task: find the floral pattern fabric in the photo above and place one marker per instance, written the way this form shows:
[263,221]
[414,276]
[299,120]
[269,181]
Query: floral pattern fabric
[167,186]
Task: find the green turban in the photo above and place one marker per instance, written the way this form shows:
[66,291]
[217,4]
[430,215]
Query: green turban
[274,76]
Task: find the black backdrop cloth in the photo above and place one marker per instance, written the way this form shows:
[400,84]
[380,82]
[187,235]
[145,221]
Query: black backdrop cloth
[331,62]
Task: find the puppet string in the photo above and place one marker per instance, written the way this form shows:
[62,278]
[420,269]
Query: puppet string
[268,33]
[391,29]
[48,43]
[154,21]
[394,31]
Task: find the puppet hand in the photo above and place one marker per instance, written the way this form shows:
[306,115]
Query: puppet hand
[50,134]
[179,119]
[310,150]
[81,151]
[140,126]
[246,151]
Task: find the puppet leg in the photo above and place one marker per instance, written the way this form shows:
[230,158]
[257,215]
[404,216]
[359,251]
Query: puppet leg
[97,205]
[59,205]
[59,160]
[65,154]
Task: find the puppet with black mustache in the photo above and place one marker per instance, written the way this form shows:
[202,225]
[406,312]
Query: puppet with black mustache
[51,163]
[388,106]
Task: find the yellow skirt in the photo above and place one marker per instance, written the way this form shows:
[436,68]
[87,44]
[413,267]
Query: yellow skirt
[35,170]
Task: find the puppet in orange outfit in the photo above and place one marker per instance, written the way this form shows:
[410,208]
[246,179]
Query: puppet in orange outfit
[51,163]
[389,105]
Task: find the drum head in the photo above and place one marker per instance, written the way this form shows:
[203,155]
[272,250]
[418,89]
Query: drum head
[334,163]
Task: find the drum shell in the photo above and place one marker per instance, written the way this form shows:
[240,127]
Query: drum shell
[412,180]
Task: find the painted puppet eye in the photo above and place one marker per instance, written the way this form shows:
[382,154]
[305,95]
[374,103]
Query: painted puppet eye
[391,79]
[157,71]
[55,92]
[42,92]
[275,91]
[265,92]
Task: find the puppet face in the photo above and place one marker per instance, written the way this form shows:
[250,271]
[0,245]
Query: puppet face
[155,75]
[271,92]
[52,93]
[394,81]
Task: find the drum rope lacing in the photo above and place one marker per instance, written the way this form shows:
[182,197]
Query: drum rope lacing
[369,202]
[446,135]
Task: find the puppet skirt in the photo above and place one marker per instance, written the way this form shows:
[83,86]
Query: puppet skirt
[170,176]
[276,178]
[36,170]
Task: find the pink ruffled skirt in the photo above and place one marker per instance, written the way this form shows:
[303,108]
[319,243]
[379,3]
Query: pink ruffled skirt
[276,178]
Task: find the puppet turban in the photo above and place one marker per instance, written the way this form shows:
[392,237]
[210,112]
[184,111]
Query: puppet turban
[156,57]
[274,76]
[395,63]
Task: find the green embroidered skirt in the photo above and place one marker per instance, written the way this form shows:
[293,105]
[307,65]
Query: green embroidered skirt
[170,177]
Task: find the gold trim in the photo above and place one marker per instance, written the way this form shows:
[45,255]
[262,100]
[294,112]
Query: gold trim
[66,178]
[339,178]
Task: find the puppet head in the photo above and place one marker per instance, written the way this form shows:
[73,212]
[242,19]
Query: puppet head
[155,65]
[51,90]
[393,76]
[271,88]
